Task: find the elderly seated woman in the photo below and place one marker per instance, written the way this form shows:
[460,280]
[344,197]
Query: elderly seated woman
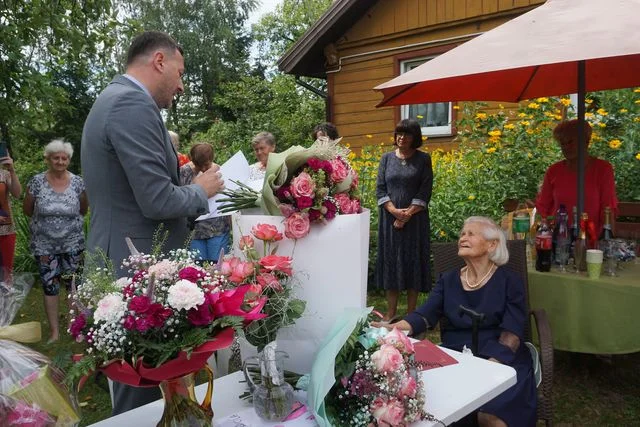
[485,286]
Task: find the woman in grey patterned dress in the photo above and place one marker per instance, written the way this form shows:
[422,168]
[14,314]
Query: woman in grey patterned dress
[56,202]
[405,180]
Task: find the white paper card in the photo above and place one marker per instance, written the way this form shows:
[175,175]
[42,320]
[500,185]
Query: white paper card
[249,418]
[237,169]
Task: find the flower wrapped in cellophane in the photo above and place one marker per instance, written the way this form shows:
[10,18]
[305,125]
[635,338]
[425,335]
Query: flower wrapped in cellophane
[305,185]
[35,391]
[161,322]
[365,376]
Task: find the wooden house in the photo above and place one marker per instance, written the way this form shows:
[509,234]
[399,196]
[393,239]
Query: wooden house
[358,44]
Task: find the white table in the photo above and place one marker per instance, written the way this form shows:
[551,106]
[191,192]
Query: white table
[451,393]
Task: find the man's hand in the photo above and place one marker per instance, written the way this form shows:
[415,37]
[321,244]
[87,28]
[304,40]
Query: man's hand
[211,181]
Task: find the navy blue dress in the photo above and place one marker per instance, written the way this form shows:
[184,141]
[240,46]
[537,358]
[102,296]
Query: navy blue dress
[502,300]
[403,255]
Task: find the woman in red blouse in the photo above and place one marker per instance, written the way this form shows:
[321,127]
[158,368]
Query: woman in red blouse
[559,186]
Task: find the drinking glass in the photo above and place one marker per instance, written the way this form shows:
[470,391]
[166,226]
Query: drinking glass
[562,254]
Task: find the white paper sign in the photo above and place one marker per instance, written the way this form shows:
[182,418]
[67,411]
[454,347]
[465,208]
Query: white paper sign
[237,169]
[330,268]
[249,418]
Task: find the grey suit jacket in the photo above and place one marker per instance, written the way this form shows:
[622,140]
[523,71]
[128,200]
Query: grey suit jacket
[130,169]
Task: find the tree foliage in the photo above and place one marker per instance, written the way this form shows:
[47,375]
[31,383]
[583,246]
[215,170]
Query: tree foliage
[278,31]
[216,44]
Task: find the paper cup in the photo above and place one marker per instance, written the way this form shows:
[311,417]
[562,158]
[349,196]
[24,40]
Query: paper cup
[594,263]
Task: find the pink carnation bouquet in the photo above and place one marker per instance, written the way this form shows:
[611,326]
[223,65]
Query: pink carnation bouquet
[305,185]
[161,321]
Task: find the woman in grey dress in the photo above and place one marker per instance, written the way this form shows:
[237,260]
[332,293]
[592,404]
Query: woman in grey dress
[405,180]
[56,202]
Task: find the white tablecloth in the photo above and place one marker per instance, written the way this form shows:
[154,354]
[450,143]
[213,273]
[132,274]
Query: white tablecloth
[451,393]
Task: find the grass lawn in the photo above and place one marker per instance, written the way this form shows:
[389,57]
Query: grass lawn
[587,390]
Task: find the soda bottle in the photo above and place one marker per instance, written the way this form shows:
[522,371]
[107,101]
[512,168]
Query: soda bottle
[543,246]
[574,232]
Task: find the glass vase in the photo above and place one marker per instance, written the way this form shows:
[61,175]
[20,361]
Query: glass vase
[181,409]
[273,397]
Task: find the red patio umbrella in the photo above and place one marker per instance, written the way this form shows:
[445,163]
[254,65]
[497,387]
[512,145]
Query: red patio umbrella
[561,47]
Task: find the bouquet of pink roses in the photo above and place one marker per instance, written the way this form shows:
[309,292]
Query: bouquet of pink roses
[305,185]
[375,378]
[268,277]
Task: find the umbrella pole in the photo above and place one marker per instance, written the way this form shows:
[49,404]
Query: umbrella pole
[582,146]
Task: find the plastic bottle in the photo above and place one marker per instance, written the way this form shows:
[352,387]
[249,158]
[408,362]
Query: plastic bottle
[543,246]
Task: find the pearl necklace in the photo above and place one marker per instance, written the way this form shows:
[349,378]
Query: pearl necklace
[478,283]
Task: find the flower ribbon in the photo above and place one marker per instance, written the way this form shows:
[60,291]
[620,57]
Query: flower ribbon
[28,332]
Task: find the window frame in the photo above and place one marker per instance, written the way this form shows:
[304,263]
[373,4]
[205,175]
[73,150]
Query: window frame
[426,54]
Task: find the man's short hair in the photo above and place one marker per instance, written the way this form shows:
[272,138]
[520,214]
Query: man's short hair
[148,42]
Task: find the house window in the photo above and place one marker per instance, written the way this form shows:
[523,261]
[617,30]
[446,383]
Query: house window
[434,118]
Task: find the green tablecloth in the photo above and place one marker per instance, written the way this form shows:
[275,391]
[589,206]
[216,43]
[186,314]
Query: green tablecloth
[590,316]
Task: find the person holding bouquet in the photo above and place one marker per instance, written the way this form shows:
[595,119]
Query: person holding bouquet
[487,287]
[405,180]
[56,202]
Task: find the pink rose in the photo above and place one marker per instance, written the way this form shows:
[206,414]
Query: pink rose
[303,185]
[344,203]
[266,232]
[387,358]
[286,209]
[399,340]
[354,179]
[356,207]
[390,412]
[268,280]
[246,242]
[340,170]
[297,225]
[409,386]
[241,271]
[273,263]
[228,264]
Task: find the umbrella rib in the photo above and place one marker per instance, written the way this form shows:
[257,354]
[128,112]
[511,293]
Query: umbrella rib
[384,102]
[531,77]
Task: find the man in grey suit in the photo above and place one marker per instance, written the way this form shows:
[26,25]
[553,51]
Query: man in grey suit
[130,167]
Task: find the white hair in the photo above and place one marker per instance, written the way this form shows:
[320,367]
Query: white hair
[58,146]
[491,231]
[175,139]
